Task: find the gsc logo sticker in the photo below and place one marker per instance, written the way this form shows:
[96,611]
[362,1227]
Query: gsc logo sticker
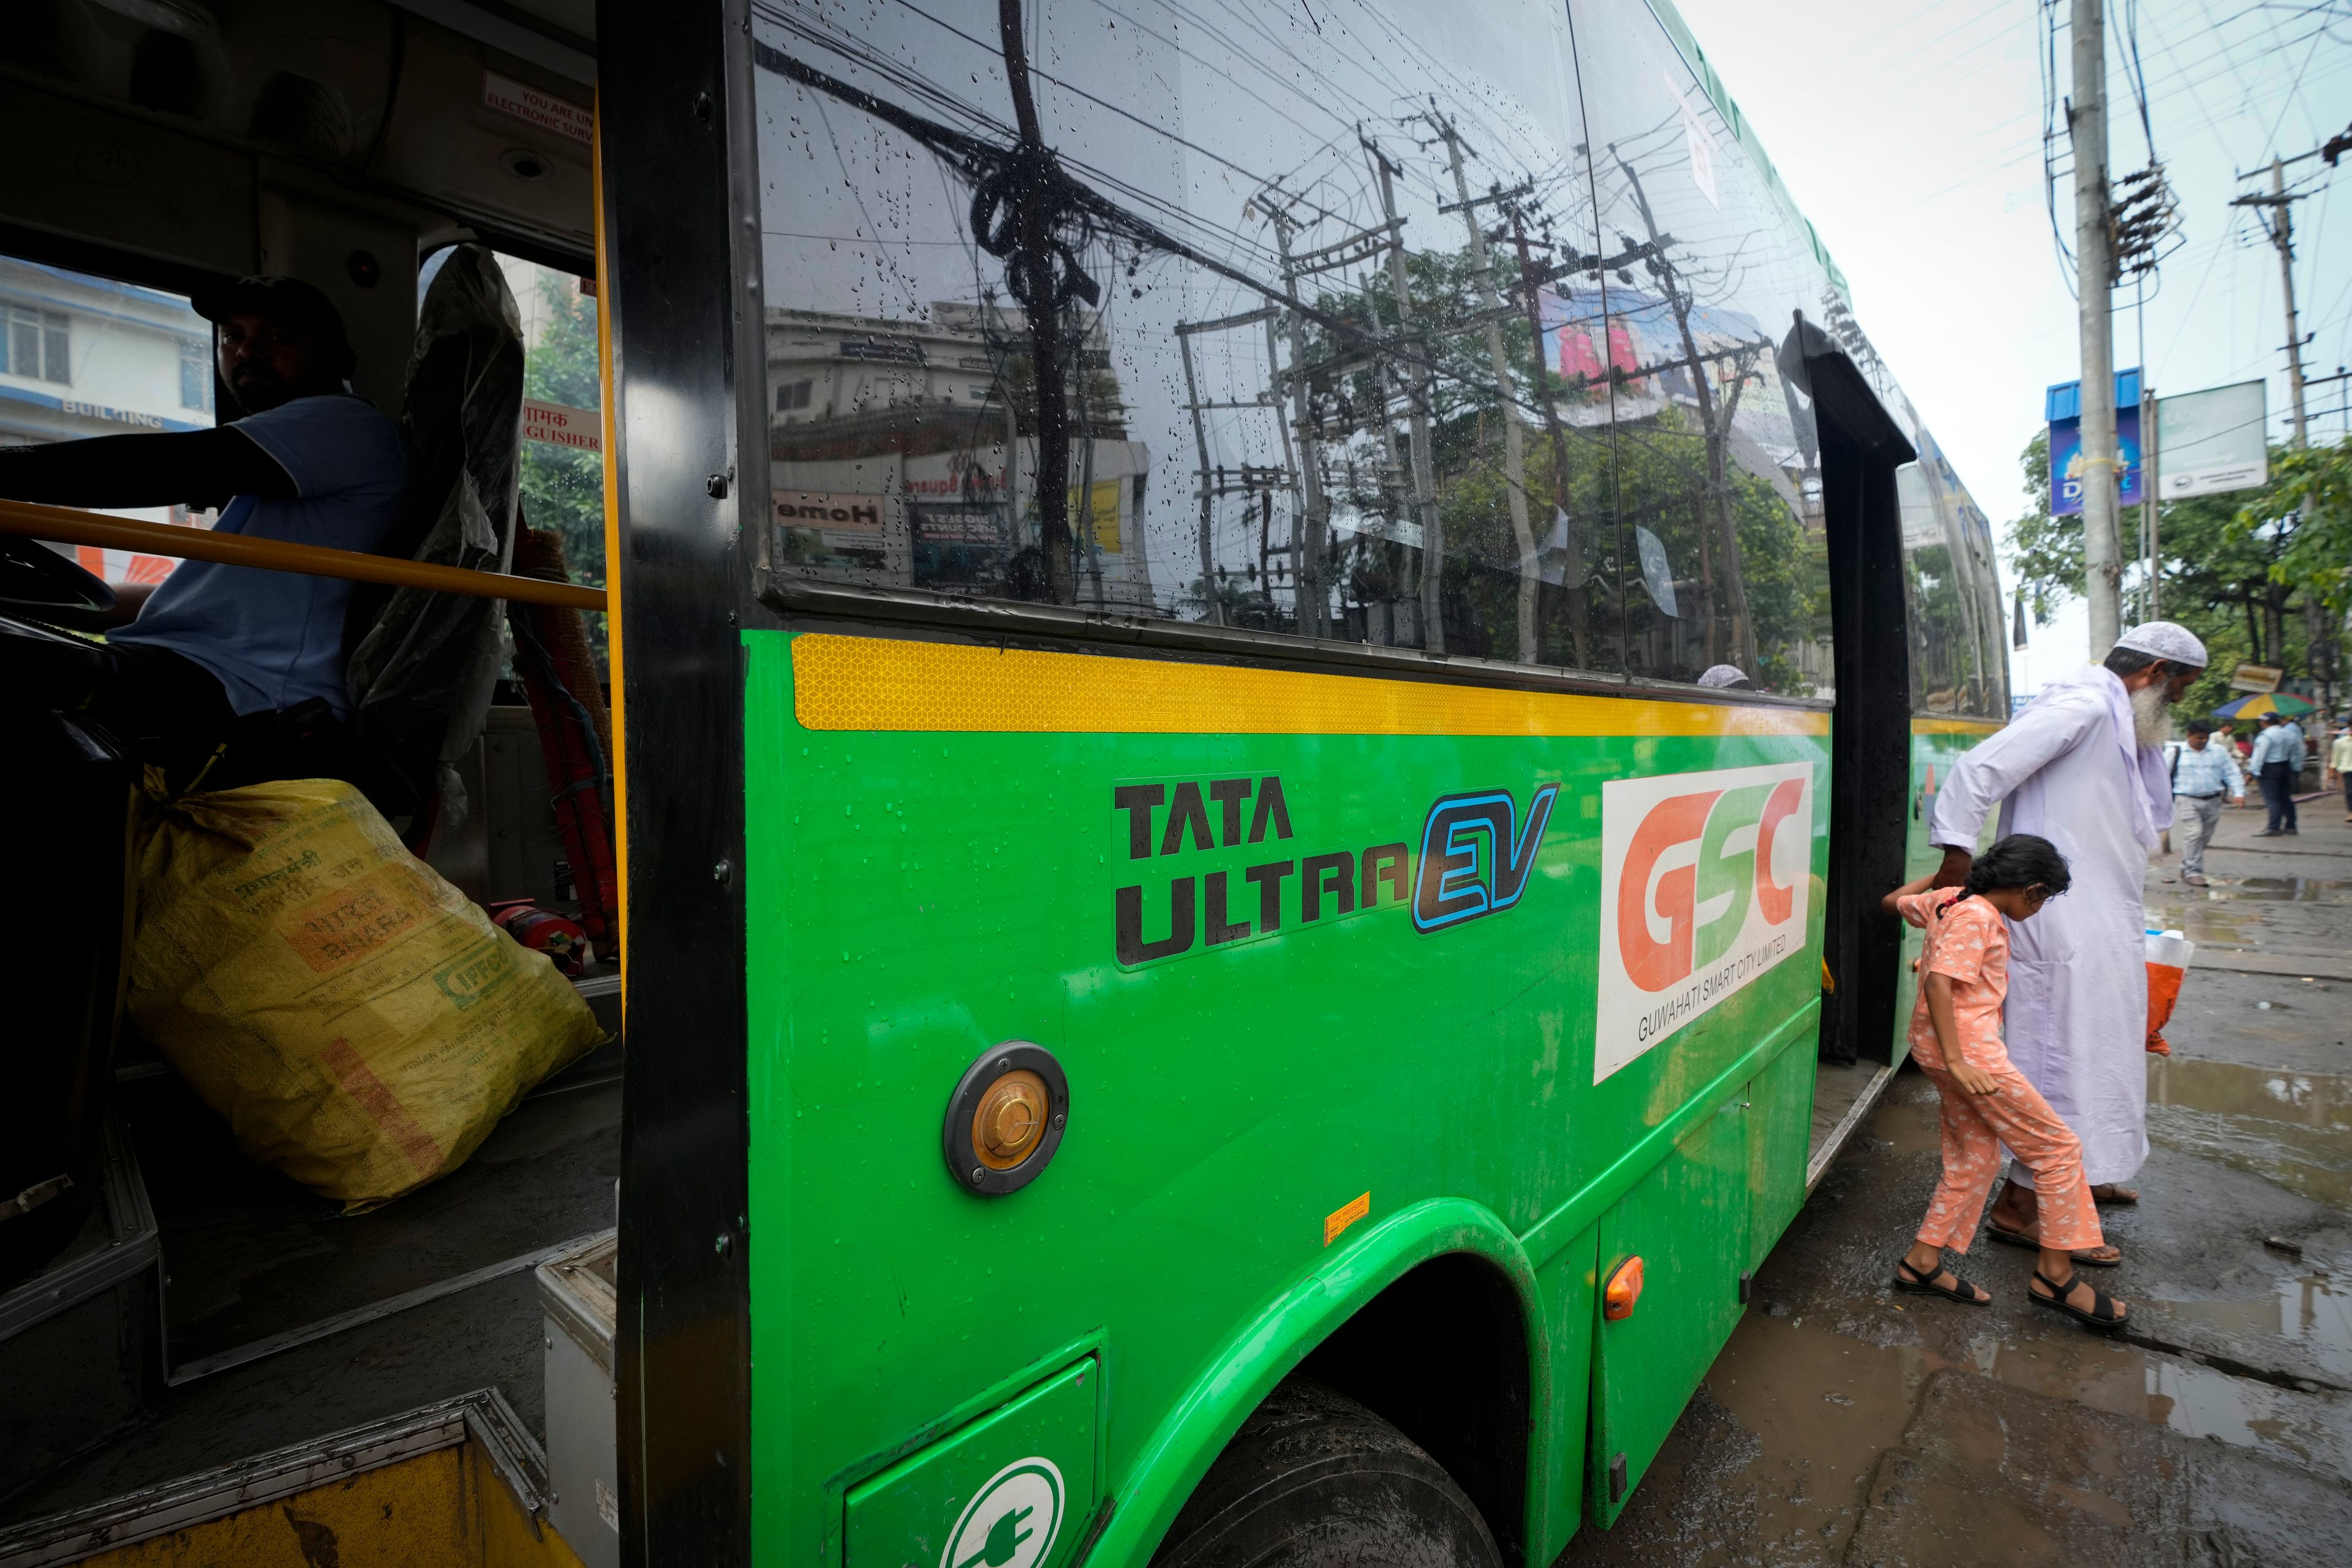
[1474,857]
[1703,889]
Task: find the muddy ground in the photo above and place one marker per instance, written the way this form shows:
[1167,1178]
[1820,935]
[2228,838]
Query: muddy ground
[1844,1423]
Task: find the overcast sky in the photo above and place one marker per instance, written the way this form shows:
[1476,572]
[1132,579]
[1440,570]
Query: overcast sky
[1911,135]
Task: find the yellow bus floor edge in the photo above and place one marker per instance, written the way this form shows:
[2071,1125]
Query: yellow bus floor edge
[873,683]
[460,1482]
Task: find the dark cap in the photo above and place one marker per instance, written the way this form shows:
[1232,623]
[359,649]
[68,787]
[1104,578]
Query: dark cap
[285,299]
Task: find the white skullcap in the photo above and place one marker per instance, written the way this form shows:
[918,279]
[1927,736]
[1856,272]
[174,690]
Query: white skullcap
[1724,675]
[2166,640]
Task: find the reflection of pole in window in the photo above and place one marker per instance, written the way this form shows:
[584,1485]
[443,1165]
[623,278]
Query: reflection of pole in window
[1679,302]
[1215,482]
[1424,466]
[1515,467]
[1017,213]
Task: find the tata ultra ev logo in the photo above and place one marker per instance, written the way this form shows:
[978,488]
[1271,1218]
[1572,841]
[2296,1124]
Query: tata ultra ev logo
[1704,878]
[1475,856]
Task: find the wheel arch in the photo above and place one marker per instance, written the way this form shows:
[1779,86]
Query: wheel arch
[1420,1270]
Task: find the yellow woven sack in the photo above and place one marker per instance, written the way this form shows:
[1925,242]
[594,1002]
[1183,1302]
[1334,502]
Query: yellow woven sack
[360,1023]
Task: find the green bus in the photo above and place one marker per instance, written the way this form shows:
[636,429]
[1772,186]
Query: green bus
[1265,666]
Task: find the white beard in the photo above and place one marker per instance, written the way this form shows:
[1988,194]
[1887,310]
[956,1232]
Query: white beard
[2151,716]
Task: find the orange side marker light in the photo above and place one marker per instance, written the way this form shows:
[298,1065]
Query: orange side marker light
[1624,1289]
[1339,1219]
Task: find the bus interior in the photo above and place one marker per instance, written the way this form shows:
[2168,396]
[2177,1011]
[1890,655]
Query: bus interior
[214,1309]
[206,1312]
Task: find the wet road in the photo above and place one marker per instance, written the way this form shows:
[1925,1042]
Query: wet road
[1844,1423]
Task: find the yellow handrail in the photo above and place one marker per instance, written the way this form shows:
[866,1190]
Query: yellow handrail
[67,525]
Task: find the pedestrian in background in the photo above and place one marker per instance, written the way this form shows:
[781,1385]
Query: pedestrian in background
[2339,764]
[1955,1038]
[2277,758]
[2203,773]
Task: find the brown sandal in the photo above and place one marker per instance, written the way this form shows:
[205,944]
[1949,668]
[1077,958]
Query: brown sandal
[2088,1256]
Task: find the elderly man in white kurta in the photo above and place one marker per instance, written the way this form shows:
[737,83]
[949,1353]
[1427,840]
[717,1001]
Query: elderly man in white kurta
[2084,767]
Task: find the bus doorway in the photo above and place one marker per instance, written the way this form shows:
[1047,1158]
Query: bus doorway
[178,1307]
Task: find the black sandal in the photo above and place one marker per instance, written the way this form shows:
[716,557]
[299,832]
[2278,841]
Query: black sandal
[1919,1284]
[2100,1315]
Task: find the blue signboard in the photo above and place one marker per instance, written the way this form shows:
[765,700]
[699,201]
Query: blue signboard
[2063,408]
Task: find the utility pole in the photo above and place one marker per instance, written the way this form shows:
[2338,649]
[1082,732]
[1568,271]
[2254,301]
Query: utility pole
[2280,224]
[1424,461]
[2282,236]
[2086,118]
[1572,569]
[1313,595]
[1212,483]
[1515,458]
[1716,430]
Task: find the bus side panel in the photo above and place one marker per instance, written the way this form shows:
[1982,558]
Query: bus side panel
[937,864]
[1780,1135]
[1687,1222]
[1568,1281]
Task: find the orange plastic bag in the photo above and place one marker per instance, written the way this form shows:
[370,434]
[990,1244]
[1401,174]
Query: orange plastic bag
[2168,955]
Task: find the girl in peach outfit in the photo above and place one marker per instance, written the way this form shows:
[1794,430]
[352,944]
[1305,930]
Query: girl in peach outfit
[1955,1038]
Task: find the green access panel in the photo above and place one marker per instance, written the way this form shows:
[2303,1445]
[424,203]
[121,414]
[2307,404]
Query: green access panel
[1688,1221]
[1013,1488]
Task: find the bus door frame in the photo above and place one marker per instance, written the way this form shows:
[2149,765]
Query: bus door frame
[680,280]
[1870,737]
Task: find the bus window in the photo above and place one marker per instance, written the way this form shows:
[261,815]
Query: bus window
[563,457]
[1949,653]
[82,355]
[1229,362]
[1719,538]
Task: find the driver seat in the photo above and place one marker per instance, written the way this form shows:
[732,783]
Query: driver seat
[422,666]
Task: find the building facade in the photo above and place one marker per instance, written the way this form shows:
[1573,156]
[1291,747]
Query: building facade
[84,356]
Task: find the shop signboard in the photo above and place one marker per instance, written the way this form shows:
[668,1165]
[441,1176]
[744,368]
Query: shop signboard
[2212,441]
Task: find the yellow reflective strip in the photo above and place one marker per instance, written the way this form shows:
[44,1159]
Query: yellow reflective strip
[1954,726]
[884,683]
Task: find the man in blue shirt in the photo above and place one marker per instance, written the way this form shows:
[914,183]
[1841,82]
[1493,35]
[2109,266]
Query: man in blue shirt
[2203,773]
[2277,758]
[217,651]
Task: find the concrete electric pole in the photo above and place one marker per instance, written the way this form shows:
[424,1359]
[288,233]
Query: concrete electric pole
[2279,221]
[2086,118]
[2281,227]
[1514,462]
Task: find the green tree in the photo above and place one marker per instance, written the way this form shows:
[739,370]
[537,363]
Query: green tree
[563,487]
[2304,516]
[2235,569]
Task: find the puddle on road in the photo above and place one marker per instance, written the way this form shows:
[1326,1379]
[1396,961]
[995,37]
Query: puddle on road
[1823,1406]
[2193,1400]
[2311,1310]
[2271,890]
[2288,1127]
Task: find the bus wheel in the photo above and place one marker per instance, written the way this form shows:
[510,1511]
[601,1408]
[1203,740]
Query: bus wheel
[1314,1479]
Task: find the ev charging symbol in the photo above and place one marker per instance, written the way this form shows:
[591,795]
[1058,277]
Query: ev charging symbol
[1012,1520]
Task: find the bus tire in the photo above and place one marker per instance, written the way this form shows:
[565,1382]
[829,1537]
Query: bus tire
[1313,1479]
